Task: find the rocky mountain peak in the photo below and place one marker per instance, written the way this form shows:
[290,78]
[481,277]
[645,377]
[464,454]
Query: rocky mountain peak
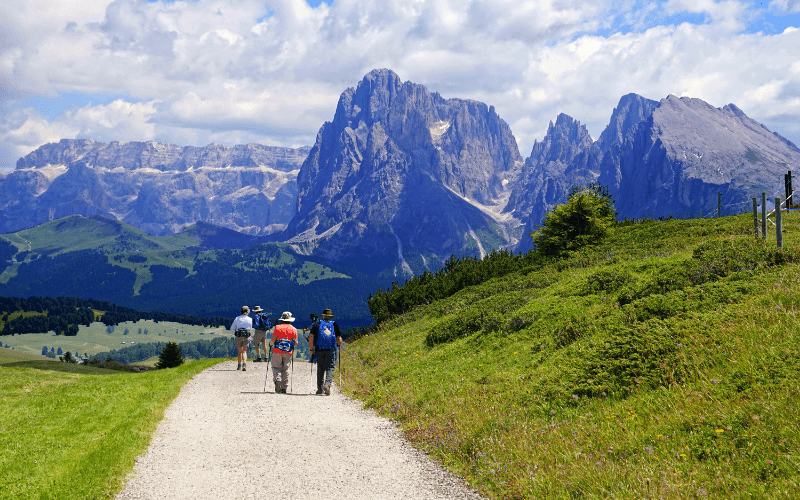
[631,110]
[399,163]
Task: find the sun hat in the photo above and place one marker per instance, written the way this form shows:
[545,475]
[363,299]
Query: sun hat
[328,313]
[287,316]
[257,309]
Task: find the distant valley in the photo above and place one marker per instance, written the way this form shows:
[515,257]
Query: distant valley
[193,272]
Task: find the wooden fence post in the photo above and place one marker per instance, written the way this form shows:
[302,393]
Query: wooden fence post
[778,224]
[786,188]
[763,215]
[755,216]
[789,197]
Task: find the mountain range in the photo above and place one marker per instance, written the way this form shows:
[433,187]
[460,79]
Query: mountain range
[402,178]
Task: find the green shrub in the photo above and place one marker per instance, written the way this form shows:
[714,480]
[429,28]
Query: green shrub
[586,218]
[607,280]
[642,355]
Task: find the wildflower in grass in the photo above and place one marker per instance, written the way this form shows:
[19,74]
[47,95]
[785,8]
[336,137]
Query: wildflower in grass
[719,431]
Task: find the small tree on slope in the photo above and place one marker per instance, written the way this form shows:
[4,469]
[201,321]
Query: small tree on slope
[584,220]
[170,356]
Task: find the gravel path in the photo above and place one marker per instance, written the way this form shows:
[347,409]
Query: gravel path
[224,437]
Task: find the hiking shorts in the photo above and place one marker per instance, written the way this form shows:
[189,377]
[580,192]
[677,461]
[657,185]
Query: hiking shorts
[259,337]
[241,341]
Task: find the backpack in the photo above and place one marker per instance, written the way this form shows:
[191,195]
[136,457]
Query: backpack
[262,322]
[326,336]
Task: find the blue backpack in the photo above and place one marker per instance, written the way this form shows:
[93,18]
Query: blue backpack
[262,322]
[326,338]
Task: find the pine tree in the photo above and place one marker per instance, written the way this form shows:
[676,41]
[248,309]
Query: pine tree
[170,356]
[587,217]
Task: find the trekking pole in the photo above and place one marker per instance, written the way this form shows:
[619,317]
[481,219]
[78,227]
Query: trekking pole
[339,360]
[269,364]
[218,346]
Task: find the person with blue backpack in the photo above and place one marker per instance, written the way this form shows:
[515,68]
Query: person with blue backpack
[324,342]
[284,338]
[261,325]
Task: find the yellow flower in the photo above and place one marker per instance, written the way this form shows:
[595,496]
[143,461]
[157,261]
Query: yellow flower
[719,431]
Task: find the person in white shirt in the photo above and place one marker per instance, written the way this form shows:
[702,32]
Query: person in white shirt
[241,331]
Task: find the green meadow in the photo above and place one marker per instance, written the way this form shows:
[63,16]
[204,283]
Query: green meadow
[96,337]
[69,431]
[662,363]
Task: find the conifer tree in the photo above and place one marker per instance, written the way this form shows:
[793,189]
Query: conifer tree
[584,220]
[170,356]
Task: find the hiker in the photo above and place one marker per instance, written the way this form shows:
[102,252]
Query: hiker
[261,325]
[323,342]
[306,333]
[284,338]
[241,331]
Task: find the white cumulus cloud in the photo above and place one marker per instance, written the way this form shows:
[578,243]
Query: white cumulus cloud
[236,71]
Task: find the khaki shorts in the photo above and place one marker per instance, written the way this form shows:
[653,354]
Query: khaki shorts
[241,341]
[259,337]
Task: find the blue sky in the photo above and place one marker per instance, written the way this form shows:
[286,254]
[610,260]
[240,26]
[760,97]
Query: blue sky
[271,71]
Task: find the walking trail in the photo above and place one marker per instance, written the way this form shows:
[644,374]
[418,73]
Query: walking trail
[224,437]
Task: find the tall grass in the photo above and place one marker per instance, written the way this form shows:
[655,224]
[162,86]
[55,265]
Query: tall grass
[68,431]
[664,364]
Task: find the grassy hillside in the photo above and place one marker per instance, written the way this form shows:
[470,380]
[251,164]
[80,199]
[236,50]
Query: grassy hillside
[204,270]
[71,431]
[663,364]
[99,338]
[8,355]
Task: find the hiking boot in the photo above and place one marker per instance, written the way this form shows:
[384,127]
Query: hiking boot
[319,391]
[239,367]
[257,360]
[244,367]
[327,390]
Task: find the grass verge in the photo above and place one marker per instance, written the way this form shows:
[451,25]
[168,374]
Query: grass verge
[68,431]
[663,364]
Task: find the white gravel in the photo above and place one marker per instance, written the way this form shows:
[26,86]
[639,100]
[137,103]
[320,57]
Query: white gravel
[224,437]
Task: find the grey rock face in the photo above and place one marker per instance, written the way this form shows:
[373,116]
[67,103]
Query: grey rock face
[160,188]
[567,156]
[658,159]
[676,161]
[402,173]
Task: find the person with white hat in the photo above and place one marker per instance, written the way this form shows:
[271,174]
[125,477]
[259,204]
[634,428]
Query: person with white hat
[284,338]
[324,342]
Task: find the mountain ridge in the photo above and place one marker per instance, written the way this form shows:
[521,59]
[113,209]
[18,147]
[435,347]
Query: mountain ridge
[402,178]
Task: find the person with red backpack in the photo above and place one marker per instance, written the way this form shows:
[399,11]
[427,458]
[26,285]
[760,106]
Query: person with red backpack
[284,338]
[324,342]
